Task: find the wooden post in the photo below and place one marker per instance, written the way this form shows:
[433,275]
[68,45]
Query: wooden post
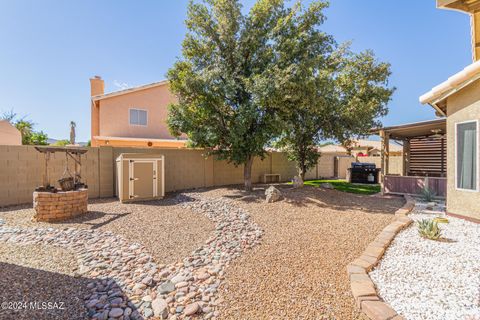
[406,157]
[382,162]
[386,145]
[46,178]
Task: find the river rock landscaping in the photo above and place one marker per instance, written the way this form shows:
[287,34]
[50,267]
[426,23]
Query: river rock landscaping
[126,283]
[427,279]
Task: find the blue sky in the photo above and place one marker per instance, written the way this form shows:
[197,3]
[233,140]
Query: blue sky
[49,49]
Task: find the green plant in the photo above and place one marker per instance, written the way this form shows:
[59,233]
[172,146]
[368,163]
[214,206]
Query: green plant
[61,143]
[427,193]
[429,229]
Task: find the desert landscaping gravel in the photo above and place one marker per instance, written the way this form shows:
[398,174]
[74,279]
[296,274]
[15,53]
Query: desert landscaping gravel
[426,279]
[168,231]
[37,282]
[298,272]
[123,280]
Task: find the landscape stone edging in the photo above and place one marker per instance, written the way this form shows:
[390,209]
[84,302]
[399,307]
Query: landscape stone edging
[363,288]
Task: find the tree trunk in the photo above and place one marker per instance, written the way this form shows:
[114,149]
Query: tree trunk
[247,174]
[301,175]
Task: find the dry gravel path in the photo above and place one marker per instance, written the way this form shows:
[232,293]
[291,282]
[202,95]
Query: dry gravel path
[168,231]
[299,270]
[43,274]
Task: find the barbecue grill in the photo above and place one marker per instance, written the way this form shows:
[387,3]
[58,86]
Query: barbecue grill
[361,172]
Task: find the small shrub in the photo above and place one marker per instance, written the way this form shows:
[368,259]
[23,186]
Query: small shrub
[429,229]
[427,194]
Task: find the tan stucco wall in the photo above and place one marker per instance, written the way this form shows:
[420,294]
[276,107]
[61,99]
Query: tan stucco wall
[462,106]
[114,114]
[9,135]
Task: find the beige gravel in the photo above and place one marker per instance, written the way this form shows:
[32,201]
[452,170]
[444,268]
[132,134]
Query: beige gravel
[169,232]
[298,272]
[40,274]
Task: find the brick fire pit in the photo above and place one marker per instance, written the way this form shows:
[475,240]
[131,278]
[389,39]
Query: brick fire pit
[59,206]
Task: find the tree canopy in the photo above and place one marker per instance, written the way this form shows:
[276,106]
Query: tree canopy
[245,80]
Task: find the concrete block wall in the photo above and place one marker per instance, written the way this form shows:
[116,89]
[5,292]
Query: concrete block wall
[22,167]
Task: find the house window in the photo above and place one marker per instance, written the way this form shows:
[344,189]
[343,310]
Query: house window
[466,155]
[138,117]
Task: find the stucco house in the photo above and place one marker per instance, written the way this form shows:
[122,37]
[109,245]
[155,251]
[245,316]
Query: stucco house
[361,147]
[443,154]
[458,99]
[9,135]
[134,117]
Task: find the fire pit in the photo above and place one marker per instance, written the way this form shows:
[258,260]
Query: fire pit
[71,199]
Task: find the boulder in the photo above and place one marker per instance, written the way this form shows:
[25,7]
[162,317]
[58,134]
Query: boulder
[326,185]
[297,182]
[273,194]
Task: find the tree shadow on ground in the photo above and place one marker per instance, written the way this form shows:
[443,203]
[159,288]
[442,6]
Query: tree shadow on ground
[323,198]
[38,294]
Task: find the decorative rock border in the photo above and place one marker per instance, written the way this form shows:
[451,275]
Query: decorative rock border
[363,289]
[126,283]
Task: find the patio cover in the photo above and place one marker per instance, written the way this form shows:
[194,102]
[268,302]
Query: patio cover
[421,129]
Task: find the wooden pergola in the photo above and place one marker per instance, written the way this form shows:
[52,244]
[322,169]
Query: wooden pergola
[424,157]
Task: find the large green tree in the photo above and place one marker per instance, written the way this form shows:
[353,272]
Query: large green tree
[320,89]
[227,58]
[29,136]
[270,75]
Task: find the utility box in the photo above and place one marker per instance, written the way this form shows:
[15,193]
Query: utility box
[140,176]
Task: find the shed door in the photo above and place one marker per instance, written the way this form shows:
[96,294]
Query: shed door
[143,177]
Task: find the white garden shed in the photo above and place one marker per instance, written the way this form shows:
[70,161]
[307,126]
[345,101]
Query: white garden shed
[140,176]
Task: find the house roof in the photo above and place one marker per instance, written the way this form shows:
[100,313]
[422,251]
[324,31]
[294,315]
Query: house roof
[377,145]
[129,90]
[437,96]
[332,148]
[138,139]
[361,143]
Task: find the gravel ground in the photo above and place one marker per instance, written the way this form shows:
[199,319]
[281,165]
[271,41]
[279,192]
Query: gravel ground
[168,231]
[298,272]
[40,274]
[426,279]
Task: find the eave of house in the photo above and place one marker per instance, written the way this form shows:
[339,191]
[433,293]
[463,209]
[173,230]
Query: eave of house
[468,6]
[129,90]
[437,96]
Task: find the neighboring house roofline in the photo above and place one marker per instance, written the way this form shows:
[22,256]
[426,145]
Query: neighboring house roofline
[137,139]
[129,90]
[437,96]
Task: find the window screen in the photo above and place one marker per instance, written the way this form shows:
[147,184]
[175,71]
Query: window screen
[138,117]
[467,156]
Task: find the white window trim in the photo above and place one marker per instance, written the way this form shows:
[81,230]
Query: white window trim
[478,156]
[137,125]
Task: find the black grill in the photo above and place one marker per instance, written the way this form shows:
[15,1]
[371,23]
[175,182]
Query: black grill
[362,172]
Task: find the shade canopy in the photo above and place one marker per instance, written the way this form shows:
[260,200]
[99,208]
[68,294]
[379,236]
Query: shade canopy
[415,130]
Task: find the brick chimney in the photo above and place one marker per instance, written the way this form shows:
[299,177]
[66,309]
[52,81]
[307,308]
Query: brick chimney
[97,86]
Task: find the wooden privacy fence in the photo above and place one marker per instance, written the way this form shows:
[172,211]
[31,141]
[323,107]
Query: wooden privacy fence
[415,185]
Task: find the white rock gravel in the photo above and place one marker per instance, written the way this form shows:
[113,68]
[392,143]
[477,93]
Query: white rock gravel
[127,284]
[426,279]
